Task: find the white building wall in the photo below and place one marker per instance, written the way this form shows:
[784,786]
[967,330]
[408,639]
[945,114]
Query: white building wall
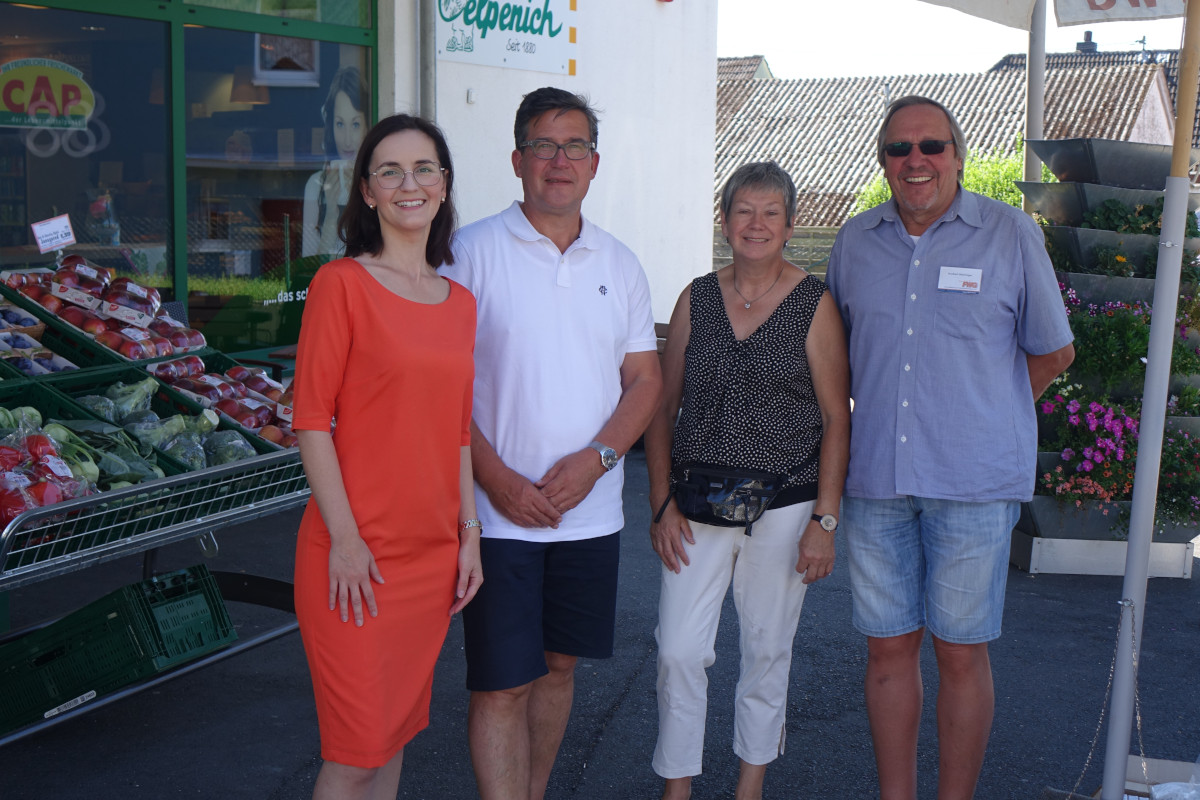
[650,67]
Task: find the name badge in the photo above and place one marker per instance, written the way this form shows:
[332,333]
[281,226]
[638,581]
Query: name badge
[960,279]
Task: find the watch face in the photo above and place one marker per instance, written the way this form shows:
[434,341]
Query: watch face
[829,522]
[608,457]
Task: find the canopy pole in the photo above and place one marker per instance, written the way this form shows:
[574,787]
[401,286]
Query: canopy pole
[1154,409]
[1035,94]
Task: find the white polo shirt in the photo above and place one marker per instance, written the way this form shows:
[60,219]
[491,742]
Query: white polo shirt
[553,331]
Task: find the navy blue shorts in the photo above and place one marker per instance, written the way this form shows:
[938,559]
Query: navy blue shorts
[536,597]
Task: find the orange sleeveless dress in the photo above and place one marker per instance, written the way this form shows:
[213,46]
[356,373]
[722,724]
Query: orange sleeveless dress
[397,377]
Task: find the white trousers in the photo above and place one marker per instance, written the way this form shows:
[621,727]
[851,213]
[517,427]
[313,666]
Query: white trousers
[768,594]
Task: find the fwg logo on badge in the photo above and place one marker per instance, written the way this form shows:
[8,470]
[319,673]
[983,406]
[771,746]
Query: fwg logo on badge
[486,15]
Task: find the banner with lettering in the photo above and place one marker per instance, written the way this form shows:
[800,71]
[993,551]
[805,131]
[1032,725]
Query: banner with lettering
[537,35]
[1087,12]
[1017,13]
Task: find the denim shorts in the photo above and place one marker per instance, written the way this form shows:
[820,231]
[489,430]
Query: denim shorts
[559,597]
[922,563]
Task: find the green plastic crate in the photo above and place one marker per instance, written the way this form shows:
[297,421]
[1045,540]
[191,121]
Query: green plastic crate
[126,636]
[215,361]
[64,339]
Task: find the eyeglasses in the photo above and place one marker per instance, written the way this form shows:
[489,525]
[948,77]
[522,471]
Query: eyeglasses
[929,147]
[393,177]
[546,149]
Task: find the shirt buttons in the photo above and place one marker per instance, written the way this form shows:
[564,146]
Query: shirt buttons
[903,439]
[917,262]
[904,403]
[910,331]
[913,296]
[907,367]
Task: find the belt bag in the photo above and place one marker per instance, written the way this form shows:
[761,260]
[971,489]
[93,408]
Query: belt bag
[724,496]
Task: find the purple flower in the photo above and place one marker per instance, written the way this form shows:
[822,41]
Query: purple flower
[1085,466]
[1047,407]
[1068,454]
[1073,419]
[1073,406]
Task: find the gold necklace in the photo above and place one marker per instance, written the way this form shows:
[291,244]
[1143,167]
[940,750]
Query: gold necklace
[733,283]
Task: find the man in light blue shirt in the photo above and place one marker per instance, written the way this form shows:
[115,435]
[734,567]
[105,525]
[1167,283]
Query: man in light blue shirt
[955,326]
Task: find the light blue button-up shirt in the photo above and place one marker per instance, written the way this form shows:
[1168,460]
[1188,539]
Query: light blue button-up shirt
[943,407]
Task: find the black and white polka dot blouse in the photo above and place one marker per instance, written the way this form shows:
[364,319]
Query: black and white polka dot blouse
[750,403]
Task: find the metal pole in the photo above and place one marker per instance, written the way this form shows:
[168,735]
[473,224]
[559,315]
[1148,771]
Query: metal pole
[1035,93]
[427,64]
[1154,409]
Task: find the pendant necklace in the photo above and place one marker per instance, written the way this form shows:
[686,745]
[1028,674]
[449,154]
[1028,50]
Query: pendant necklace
[746,302]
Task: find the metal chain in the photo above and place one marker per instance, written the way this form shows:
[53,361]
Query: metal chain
[1137,703]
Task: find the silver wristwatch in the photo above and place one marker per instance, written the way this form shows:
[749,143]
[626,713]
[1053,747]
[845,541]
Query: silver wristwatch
[608,456]
[828,521]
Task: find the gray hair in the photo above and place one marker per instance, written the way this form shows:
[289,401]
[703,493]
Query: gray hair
[956,133]
[550,98]
[760,175]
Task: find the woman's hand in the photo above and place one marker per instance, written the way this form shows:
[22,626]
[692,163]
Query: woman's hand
[816,553]
[351,570]
[667,535]
[470,570]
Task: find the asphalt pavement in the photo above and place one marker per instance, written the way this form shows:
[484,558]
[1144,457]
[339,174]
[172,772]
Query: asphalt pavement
[246,727]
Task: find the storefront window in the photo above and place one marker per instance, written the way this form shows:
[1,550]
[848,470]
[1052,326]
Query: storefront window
[337,12]
[273,127]
[83,133]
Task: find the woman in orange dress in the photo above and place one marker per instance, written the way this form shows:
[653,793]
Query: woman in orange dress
[388,548]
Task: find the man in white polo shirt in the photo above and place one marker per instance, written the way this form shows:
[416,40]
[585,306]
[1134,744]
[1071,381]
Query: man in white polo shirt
[566,380]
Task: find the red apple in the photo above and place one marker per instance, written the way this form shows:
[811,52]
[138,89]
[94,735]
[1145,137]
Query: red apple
[195,338]
[229,406]
[67,277]
[73,315]
[195,365]
[290,440]
[248,419]
[135,350]
[162,347]
[51,303]
[255,383]
[177,337]
[33,291]
[271,433]
[239,373]
[271,393]
[114,324]
[110,339]
[198,387]
[95,326]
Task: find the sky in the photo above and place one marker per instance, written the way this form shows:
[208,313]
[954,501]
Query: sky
[848,38]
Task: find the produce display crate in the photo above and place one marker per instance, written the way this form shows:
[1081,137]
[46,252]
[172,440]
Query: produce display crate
[57,392]
[124,637]
[57,539]
[215,361]
[61,337]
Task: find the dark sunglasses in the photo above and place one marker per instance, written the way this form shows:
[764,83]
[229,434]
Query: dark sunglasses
[929,147]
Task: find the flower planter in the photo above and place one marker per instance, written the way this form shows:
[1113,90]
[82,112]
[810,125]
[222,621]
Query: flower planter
[1056,537]
[1102,288]
[1036,554]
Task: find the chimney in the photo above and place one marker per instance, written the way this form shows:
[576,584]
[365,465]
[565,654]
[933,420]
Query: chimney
[1087,45]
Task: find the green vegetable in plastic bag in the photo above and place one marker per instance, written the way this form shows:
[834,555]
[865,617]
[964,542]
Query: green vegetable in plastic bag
[145,415]
[27,415]
[100,406]
[130,397]
[187,449]
[157,434]
[225,447]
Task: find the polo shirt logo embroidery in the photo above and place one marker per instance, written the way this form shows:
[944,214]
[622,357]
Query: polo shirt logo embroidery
[603,289]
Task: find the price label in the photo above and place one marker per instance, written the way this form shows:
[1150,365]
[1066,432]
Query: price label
[53,234]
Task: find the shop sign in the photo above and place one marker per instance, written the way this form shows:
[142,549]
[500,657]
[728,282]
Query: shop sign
[536,35]
[40,93]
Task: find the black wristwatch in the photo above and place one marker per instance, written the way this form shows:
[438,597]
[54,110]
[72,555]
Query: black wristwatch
[608,456]
[828,521]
